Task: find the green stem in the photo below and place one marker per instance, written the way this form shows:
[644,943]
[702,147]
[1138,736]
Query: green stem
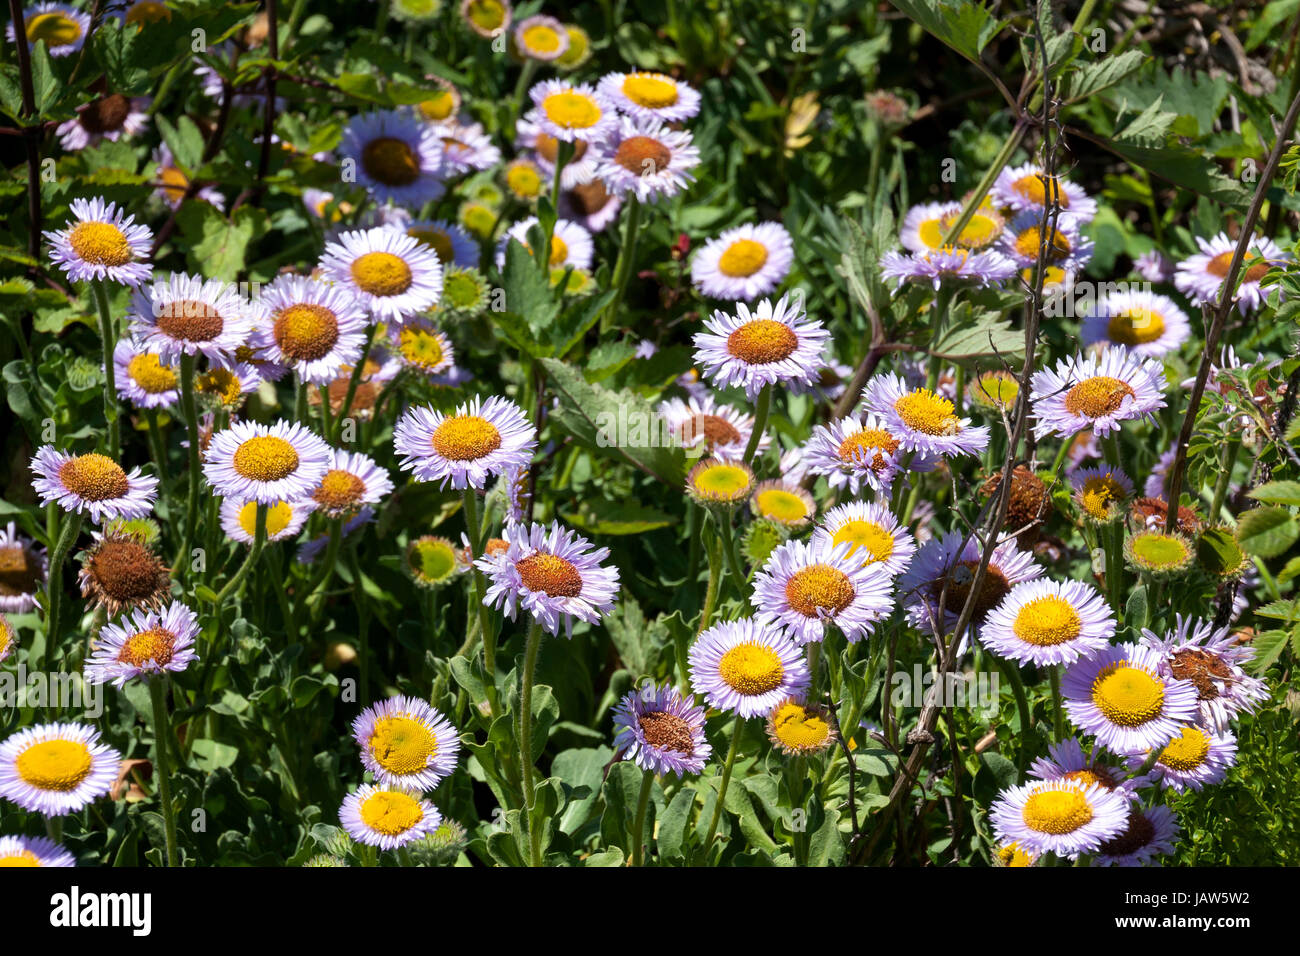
[711,592]
[726,781]
[626,257]
[353,382]
[254,552]
[1114,537]
[161,728]
[638,827]
[982,188]
[1230,452]
[54,578]
[479,596]
[1011,671]
[760,422]
[191,416]
[1058,721]
[109,338]
[526,737]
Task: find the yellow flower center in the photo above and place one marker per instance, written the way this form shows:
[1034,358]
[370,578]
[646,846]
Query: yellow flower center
[751,669]
[21,858]
[422,348]
[642,155]
[174,183]
[487,15]
[570,109]
[654,91]
[339,490]
[390,161]
[150,374]
[154,645]
[1156,550]
[524,180]
[864,448]
[1135,328]
[391,812]
[1100,495]
[265,458]
[997,390]
[59,765]
[432,559]
[93,477]
[1128,696]
[19,572]
[54,28]
[1027,244]
[1097,396]
[540,38]
[100,244]
[1047,621]
[742,258]
[722,482]
[559,252]
[762,341]
[221,383]
[381,273]
[550,574]
[439,106]
[925,412]
[435,239]
[781,505]
[1014,855]
[1219,265]
[478,219]
[799,728]
[306,332]
[147,11]
[465,438]
[818,590]
[1057,811]
[402,745]
[876,543]
[1187,751]
[1033,188]
[278,517]
[188,320]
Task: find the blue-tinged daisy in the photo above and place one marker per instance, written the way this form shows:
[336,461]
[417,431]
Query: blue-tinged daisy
[1154,266]
[1068,250]
[1151,832]
[395,156]
[1059,816]
[312,549]
[283,519]
[106,118]
[147,643]
[925,226]
[516,488]
[571,244]
[1209,657]
[744,262]
[407,743]
[250,461]
[19,851]
[808,586]
[1067,761]
[1097,392]
[63,28]
[466,147]
[23,568]
[773,344]
[646,95]
[661,731]
[873,535]
[56,769]
[923,422]
[1148,325]
[479,440]
[392,274]
[1194,758]
[948,264]
[943,570]
[352,481]
[1044,622]
[311,327]
[541,38]
[388,817]
[92,483]
[102,243]
[190,315]
[859,451]
[1101,494]
[571,111]
[783,503]
[716,427]
[746,667]
[141,378]
[643,158]
[487,18]
[1121,697]
[1028,188]
[554,573]
[448,240]
[1200,276]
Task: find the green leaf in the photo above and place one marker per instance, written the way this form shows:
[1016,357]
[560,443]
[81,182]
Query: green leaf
[976,334]
[217,247]
[673,824]
[1095,77]
[1219,553]
[1267,532]
[964,25]
[1277,493]
[599,516]
[1268,647]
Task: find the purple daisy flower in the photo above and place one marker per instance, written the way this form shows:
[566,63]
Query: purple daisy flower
[660,731]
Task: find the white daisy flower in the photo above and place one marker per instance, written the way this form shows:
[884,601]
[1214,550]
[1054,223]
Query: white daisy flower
[747,668]
[571,245]
[579,170]
[770,345]
[922,421]
[392,274]
[487,18]
[1192,759]
[1059,816]
[1148,325]
[312,327]
[63,28]
[643,157]
[103,243]
[422,347]
[1200,276]
[145,643]
[387,817]
[784,503]
[715,427]
[92,483]
[1026,188]
[646,95]
[395,156]
[478,440]
[405,742]
[570,111]
[1097,392]
[283,519]
[871,531]
[541,38]
[744,262]
[806,587]
[188,315]
[1212,659]
[110,117]
[250,461]
[141,378]
[353,481]
[19,851]
[1044,622]
[943,570]
[56,769]
[466,147]
[1068,250]
[24,566]
[859,451]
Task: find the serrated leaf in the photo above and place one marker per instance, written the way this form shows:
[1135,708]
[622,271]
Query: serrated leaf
[1277,493]
[1267,532]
